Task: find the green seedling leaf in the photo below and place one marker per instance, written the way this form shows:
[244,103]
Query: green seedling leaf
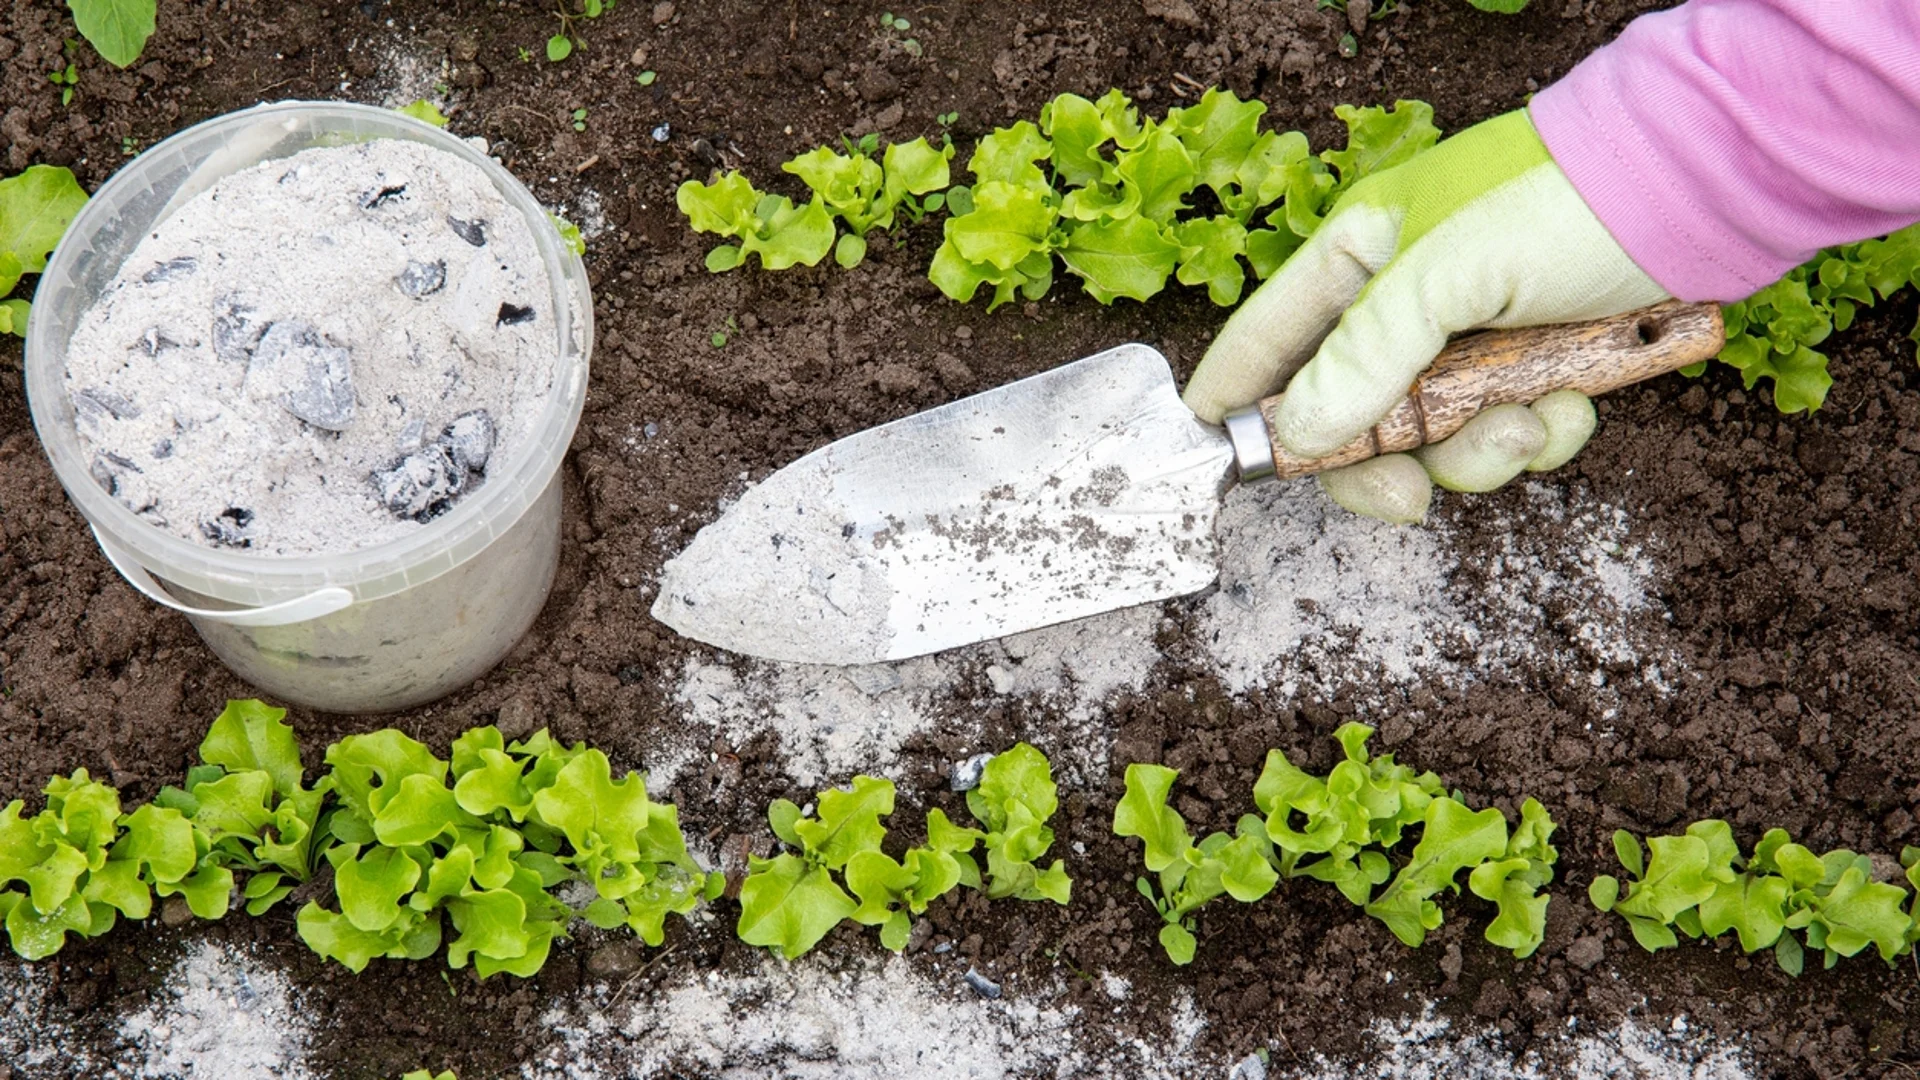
[235,804]
[1143,812]
[1218,134]
[1454,838]
[1007,225]
[601,819]
[424,111]
[1179,943]
[848,822]
[789,905]
[1130,257]
[1209,255]
[250,734]
[370,886]
[559,47]
[1380,138]
[118,29]
[1008,156]
[1155,177]
[13,313]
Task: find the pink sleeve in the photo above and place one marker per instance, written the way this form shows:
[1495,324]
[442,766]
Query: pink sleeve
[1724,142]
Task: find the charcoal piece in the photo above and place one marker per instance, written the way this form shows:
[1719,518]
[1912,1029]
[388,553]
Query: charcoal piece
[513,315]
[155,341]
[311,377]
[235,331]
[96,403]
[412,435]
[172,268]
[421,485]
[473,232]
[229,527]
[122,479]
[422,278]
[375,199]
[468,440]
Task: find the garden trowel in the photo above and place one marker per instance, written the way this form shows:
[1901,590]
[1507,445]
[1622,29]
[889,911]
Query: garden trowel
[1084,489]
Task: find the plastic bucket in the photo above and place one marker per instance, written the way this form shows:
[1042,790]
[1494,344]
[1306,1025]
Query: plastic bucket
[381,628]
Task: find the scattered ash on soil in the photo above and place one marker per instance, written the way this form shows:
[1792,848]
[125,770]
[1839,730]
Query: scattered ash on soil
[222,1014]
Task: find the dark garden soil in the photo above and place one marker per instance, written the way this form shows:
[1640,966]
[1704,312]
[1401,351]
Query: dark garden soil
[1785,544]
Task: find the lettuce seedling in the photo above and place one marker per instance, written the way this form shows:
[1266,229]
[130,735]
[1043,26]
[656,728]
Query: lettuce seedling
[1015,799]
[866,194]
[1772,334]
[35,208]
[770,226]
[1341,829]
[1698,884]
[1189,874]
[249,798]
[83,865]
[790,902]
[483,838]
[890,892]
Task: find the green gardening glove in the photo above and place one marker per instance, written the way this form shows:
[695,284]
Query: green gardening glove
[1484,230]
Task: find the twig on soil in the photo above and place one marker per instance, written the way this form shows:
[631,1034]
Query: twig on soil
[631,979]
[1181,76]
[587,164]
[275,86]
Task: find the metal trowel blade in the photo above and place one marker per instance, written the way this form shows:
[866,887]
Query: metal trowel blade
[1084,489]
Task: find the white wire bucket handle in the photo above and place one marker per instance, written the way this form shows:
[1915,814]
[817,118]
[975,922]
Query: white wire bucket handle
[323,601]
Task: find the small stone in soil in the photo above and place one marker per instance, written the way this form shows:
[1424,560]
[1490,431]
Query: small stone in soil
[170,269]
[229,527]
[1001,678]
[513,315]
[473,232]
[469,440]
[965,775]
[663,133]
[982,985]
[235,334]
[420,485]
[311,377]
[422,279]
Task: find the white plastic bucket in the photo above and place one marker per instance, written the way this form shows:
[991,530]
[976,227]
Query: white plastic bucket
[381,628]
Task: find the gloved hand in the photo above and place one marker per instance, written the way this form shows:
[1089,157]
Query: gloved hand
[1483,230]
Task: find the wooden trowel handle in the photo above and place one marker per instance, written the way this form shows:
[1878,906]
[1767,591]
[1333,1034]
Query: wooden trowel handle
[1518,366]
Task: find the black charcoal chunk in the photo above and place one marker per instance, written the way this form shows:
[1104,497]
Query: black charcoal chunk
[378,197]
[229,527]
[514,315]
[125,481]
[311,377]
[420,486]
[469,440]
[473,232]
[96,403]
[235,331]
[172,268]
[422,278]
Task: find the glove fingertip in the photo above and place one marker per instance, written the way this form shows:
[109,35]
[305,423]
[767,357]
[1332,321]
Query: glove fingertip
[1393,488]
[1570,420]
